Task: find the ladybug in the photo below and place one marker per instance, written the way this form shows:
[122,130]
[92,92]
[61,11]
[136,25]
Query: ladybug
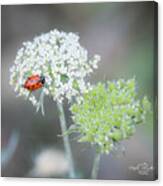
[34,82]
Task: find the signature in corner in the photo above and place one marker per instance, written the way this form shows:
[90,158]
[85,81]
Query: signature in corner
[142,168]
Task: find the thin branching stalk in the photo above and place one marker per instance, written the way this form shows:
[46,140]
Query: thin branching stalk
[66,139]
[95,165]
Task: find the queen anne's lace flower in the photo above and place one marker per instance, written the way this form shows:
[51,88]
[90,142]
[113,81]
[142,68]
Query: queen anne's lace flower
[109,113]
[60,58]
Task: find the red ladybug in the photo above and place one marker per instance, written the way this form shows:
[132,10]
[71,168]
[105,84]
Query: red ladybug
[34,82]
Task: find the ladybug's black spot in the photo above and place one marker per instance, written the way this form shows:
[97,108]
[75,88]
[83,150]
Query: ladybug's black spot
[33,86]
[28,87]
[29,78]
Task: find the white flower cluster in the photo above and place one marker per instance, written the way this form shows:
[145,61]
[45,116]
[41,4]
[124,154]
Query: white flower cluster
[60,58]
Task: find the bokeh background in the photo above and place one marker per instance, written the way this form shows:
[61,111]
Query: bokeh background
[123,34]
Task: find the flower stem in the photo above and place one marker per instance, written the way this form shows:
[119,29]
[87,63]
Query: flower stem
[95,166]
[66,139]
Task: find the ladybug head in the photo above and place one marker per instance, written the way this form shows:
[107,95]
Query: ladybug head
[42,79]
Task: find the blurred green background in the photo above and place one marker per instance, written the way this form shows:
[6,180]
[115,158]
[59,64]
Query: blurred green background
[123,34]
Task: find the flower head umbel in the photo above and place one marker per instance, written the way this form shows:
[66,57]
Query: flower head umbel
[108,114]
[60,58]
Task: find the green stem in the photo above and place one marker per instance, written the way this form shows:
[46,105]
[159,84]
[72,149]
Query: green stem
[66,140]
[95,166]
